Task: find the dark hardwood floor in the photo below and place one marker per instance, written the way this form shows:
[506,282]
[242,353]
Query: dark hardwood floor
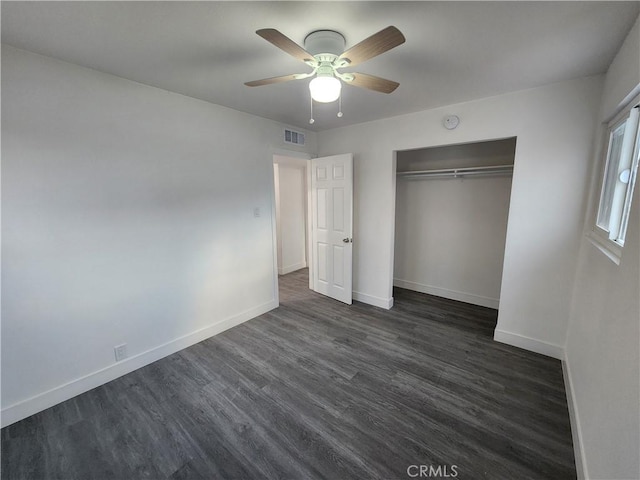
[317,389]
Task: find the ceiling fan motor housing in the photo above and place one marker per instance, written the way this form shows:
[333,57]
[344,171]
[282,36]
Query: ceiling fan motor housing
[324,42]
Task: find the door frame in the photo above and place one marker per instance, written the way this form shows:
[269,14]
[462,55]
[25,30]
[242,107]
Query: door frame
[297,155]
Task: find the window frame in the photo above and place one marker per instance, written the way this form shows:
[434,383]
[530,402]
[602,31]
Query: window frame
[611,240]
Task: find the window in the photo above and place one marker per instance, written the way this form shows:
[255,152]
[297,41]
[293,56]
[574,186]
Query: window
[622,150]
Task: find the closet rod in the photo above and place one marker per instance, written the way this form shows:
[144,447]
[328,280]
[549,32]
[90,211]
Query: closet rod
[458,172]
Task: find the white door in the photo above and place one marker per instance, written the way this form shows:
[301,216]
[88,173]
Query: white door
[332,225]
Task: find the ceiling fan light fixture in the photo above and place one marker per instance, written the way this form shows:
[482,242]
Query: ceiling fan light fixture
[325,89]
[324,52]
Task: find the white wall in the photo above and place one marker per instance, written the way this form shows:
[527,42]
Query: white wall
[127,217]
[450,233]
[291,213]
[603,338]
[623,73]
[554,127]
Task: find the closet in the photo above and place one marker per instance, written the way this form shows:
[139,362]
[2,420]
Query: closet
[452,206]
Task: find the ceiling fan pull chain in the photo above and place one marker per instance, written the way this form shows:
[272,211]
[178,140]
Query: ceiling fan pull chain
[340,106]
[311,120]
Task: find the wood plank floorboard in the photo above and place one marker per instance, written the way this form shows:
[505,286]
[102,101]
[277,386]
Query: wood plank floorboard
[316,390]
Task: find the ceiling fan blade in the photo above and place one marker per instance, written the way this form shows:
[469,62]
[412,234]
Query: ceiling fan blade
[372,82]
[373,46]
[269,81]
[283,42]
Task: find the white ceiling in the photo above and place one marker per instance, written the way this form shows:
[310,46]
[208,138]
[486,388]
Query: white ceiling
[455,51]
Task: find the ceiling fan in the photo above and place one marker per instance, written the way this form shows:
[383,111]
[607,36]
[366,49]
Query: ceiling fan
[324,52]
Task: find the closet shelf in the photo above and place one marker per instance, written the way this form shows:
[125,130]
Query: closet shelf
[458,172]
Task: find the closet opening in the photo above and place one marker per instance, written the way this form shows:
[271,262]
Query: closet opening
[452,207]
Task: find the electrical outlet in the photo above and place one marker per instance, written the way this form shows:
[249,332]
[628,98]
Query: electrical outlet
[120,351]
[256,212]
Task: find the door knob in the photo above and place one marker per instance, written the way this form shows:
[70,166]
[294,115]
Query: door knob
[347,240]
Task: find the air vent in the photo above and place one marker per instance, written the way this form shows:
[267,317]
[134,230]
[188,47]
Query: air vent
[296,138]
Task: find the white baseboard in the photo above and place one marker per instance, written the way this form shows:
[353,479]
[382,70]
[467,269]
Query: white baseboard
[42,401]
[385,303]
[576,430]
[291,268]
[446,293]
[528,343]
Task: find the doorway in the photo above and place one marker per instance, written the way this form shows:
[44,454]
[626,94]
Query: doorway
[292,212]
[314,221]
